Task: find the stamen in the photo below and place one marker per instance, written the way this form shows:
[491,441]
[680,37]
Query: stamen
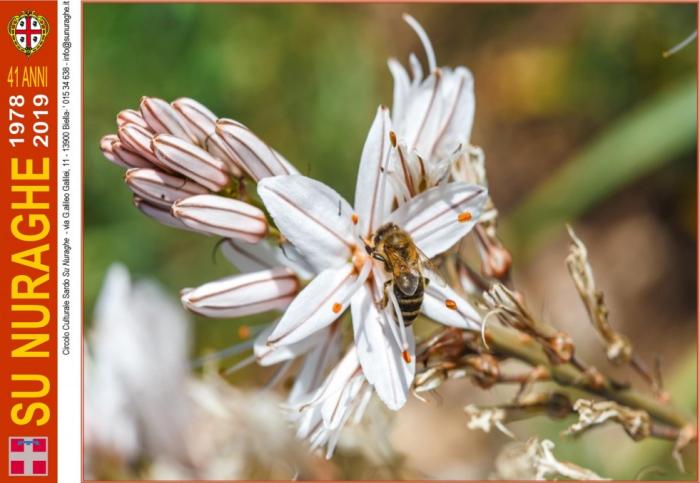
[278,375]
[418,29]
[222,354]
[451,304]
[402,327]
[678,47]
[354,219]
[337,307]
[464,217]
[379,279]
[237,367]
[392,138]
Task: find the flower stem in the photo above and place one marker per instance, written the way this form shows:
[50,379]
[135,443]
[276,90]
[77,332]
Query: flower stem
[510,342]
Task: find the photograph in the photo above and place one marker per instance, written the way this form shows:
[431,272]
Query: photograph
[384,241]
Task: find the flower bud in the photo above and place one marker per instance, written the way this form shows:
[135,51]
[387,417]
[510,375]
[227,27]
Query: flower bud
[159,188]
[218,148]
[200,121]
[257,158]
[222,216]
[129,116]
[128,157]
[138,140]
[242,295]
[106,146]
[190,161]
[160,214]
[162,118]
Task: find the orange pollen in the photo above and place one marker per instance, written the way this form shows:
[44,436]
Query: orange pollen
[354,219]
[464,216]
[451,304]
[337,307]
[244,332]
[406,356]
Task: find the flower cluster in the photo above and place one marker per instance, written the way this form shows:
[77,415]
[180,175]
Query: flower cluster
[321,262]
[303,250]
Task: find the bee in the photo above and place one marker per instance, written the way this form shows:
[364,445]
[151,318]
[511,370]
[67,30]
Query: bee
[404,261]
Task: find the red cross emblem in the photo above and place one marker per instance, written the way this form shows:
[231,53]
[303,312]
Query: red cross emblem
[29,456]
[28,31]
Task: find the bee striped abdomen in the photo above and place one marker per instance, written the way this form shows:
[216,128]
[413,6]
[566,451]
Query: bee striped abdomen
[410,305]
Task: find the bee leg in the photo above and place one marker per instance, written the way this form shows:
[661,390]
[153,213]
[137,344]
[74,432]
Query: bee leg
[385,299]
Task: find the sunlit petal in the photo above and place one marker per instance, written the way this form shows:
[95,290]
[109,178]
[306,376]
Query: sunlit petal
[379,353]
[373,193]
[314,217]
[439,217]
[444,305]
[320,303]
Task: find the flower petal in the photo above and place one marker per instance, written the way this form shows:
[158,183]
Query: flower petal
[241,295]
[373,193]
[316,219]
[336,410]
[159,188]
[402,85]
[323,341]
[162,118]
[257,158]
[439,217]
[250,257]
[222,216]
[327,345]
[457,115]
[320,303]
[444,305]
[423,112]
[379,353]
[200,121]
[191,161]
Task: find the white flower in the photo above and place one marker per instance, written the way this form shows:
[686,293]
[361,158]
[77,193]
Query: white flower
[136,371]
[432,117]
[330,234]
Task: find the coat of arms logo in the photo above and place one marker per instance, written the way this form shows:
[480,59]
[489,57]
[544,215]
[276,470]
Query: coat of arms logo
[28,31]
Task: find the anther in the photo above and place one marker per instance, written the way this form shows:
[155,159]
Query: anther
[451,304]
[354,219]
[392,138]
[464,216]
[337,308]
[406,357]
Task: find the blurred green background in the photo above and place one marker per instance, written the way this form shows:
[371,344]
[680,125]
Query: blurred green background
[580,116]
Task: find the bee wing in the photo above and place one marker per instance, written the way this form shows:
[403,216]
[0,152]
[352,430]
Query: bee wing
[408,281]
[406,277]
[434,276]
